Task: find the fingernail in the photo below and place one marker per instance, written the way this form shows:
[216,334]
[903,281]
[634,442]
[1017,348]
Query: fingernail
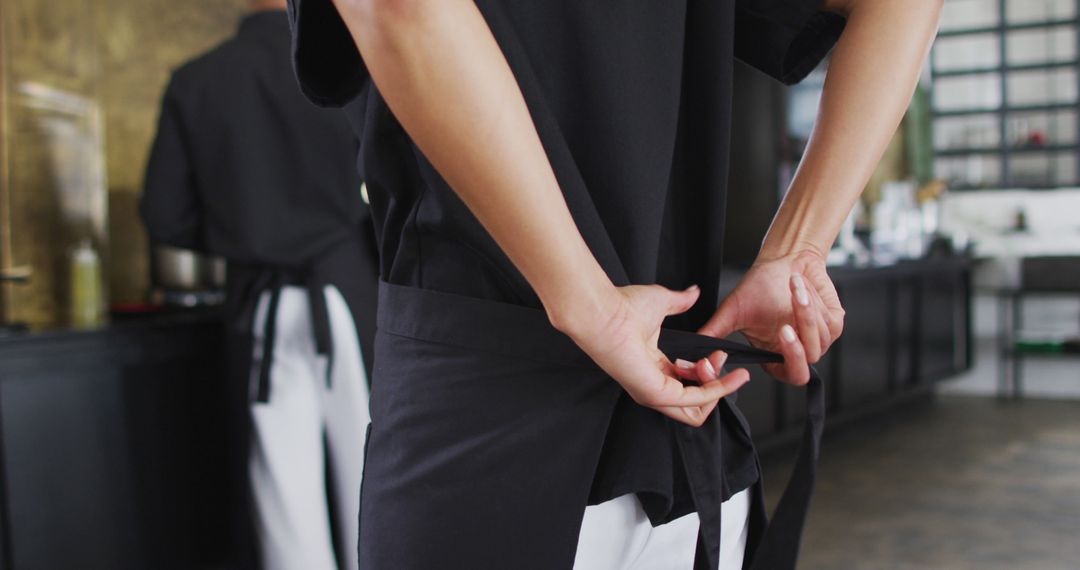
[684,364]
[800,290]
[709,368]
[788,333]
[693,287]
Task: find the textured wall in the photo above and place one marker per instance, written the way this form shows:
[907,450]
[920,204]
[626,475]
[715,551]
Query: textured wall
[51,76]
[140,43]
[95,71]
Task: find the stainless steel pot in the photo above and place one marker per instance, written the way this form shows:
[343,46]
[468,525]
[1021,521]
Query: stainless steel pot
[185,270]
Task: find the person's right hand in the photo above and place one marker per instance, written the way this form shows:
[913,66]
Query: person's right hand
[623,342]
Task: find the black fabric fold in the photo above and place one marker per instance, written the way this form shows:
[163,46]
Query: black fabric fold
[522,332]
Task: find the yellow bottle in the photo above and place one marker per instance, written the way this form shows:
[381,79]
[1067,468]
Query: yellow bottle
[87,303]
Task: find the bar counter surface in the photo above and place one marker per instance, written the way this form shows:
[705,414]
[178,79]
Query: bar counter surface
[120,450]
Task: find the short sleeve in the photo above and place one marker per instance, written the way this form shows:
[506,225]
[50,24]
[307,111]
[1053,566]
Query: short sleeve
[327,64]
[785,39]
[170,206]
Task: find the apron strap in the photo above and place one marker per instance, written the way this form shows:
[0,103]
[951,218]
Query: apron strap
[320,322]
[779,546]
[269,331]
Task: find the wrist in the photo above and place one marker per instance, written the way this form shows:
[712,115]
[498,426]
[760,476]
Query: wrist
[797,250]
[773,249]
[576,310]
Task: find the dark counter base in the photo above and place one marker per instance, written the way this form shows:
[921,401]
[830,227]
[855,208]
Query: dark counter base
[907,327]
[119,452]
[117,446]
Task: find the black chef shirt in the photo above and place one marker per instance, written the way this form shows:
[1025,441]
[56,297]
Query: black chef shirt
[632,101]
[242,165]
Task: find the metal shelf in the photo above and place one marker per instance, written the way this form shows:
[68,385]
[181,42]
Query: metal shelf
[1008,27]
[1049,107]
[1003,112]
[1000,185]
[952,152]
[1007,68]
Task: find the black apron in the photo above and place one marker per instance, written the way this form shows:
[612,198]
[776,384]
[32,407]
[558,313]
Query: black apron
[349,265]
[490,430]
[487,434]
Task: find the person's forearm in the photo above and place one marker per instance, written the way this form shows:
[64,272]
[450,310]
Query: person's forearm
[871,78]
[442,74]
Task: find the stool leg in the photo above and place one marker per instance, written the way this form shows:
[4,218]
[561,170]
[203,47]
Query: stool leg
[1003,344]
[1017,364]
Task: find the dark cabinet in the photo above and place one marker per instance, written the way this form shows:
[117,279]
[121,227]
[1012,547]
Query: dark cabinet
[907,326]
[119,450]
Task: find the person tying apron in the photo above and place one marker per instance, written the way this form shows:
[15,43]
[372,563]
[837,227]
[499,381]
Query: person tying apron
[547,183]
[244,167]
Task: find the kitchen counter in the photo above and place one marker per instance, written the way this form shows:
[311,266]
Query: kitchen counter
[908,326]
[119,447]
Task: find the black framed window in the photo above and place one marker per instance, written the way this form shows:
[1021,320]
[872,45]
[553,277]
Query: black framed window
[1005,92]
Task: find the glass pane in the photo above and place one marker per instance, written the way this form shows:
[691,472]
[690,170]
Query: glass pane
[975,131]
[1043,169]
[1065,165]
[960,14]
[1032,130]
[1039,87]
[966,52]
[1030,170]
[975,171]
[1041,46]
[1021,11]
[968,92]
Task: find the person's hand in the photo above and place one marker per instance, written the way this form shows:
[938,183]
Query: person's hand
[623,342]
[786,305]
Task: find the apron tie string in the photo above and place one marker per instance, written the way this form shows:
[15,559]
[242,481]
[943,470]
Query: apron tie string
[269,332]
[320,322]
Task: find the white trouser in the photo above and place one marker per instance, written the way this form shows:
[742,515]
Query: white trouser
[287,463]
[617,535]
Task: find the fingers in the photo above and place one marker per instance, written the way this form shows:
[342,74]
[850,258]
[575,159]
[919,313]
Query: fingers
[724,321]
[681,301]
[796,368]
[695,414]
[824,326]
[831,310]
[704,370]
[673,393]
[808,320]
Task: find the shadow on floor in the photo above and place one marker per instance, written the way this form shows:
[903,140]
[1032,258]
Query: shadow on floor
[957,483]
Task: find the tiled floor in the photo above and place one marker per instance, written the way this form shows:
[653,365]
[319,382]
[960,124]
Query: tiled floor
[960,483]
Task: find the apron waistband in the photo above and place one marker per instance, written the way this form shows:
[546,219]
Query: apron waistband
[329,267]
[482,324]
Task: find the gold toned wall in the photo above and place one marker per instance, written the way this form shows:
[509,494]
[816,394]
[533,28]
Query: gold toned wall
[82,80]
[52,194]
[141,42]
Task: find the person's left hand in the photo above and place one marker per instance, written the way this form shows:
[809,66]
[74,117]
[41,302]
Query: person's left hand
[787,305]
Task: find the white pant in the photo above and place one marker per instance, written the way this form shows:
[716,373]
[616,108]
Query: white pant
[287,463]
[617,535]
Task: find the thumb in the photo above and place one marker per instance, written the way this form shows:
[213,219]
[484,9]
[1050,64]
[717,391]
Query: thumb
[724,321]
[681,301]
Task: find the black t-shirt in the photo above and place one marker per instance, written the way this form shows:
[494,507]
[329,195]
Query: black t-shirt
[632,102]
[242,166]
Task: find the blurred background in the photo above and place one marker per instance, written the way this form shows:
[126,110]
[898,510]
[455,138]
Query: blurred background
[954,395]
